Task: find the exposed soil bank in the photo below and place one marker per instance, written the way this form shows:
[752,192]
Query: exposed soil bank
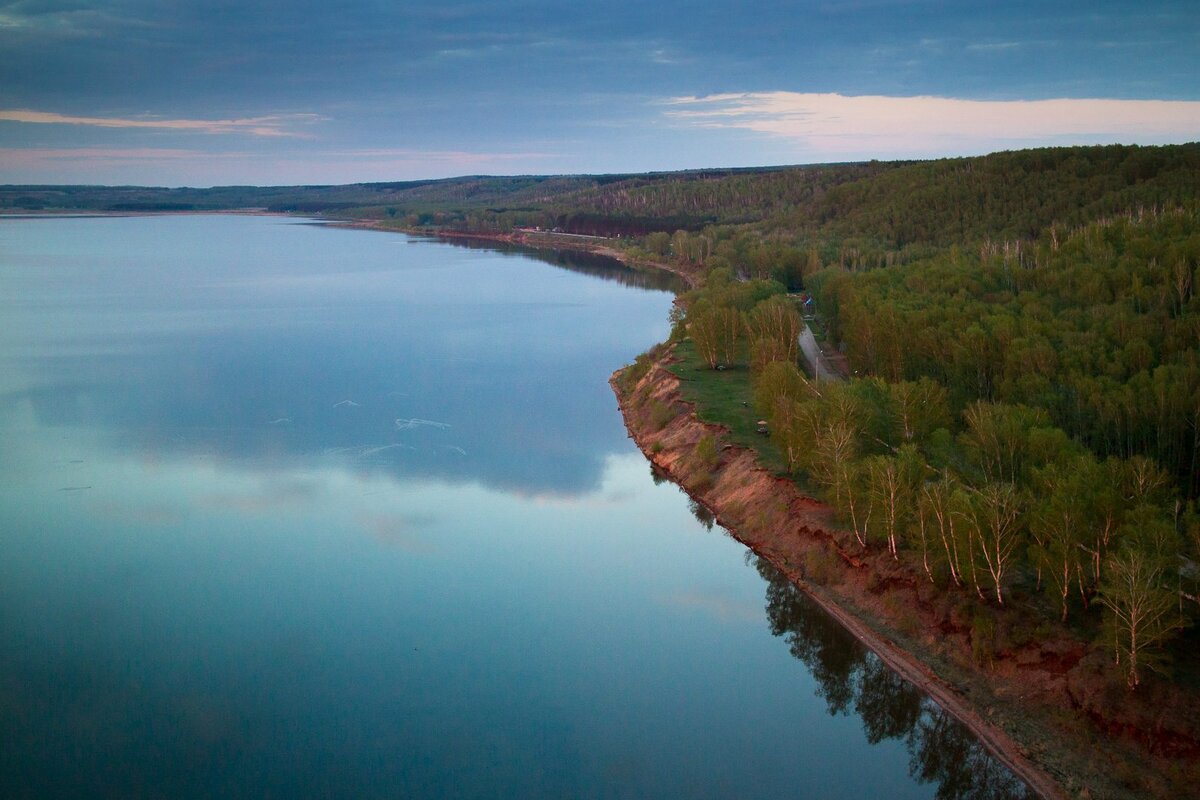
[1043,705]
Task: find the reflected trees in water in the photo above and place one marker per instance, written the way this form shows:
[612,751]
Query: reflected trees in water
[701,513]
[850,678]
[580,261]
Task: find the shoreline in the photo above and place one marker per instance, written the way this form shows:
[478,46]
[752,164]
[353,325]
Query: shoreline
[977,699]
[766,544]
[997,742]
[524,239]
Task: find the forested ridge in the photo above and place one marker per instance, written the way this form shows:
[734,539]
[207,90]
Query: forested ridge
[1023,414]
[1018,430]
[871,207]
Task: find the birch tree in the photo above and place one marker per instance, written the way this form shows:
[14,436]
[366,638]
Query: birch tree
[835,449]
[777,321]
[1140,594]
[995,520]
[1058,523]
[940,509]
[715,331]
[893,482]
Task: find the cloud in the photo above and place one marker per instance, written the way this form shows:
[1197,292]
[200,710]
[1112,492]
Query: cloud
[11,156]
[993,47]
[178,166]
[111,164]
[274,125]
[828,125]
[401,530]
[116,164]
[461,157]
[32,155]
[717,604]
[270,496]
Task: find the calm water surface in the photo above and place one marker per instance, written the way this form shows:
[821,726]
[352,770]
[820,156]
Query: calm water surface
[288,510]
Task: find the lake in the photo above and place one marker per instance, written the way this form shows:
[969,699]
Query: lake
[292,510]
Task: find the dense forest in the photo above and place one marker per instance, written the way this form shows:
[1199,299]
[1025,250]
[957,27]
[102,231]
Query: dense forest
[1023,414]
[982,493]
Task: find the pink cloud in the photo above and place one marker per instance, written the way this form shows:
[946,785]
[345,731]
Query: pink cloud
[869,125]
[270,125]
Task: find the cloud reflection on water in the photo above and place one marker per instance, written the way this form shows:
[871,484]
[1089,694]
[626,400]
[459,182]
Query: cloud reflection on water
[311,345]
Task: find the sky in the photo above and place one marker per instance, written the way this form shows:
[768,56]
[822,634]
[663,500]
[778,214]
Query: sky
[183,92]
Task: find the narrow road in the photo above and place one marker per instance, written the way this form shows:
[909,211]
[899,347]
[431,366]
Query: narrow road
[820,367]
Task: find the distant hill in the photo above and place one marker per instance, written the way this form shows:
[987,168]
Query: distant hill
[876,206]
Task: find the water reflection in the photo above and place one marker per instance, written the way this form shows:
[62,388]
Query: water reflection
[852,679]
[592,264]
[702,514]
[277,402]
[277,343]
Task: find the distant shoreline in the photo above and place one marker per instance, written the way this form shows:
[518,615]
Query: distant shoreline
[537,241]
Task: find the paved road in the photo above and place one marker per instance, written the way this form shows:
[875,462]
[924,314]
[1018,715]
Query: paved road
[817,362]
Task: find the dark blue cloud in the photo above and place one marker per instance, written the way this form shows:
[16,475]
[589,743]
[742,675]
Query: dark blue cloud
[127,53]
[569,79]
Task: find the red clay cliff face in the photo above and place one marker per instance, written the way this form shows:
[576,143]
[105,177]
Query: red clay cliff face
[1024,696]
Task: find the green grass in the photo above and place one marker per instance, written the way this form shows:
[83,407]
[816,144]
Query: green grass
[819,330]
[725,397]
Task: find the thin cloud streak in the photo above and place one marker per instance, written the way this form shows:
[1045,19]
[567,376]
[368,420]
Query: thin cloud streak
[990,47]
[456,156]
[870,125]
[123,164]
[273,125]
[31,155]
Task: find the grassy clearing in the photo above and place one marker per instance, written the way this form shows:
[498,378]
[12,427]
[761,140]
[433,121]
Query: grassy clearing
[725,397]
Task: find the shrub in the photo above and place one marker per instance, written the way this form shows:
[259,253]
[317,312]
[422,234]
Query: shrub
[983,638]
[822,567]
[901,614]
[706,453]
[628,378]
[875,582]
[660,414]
